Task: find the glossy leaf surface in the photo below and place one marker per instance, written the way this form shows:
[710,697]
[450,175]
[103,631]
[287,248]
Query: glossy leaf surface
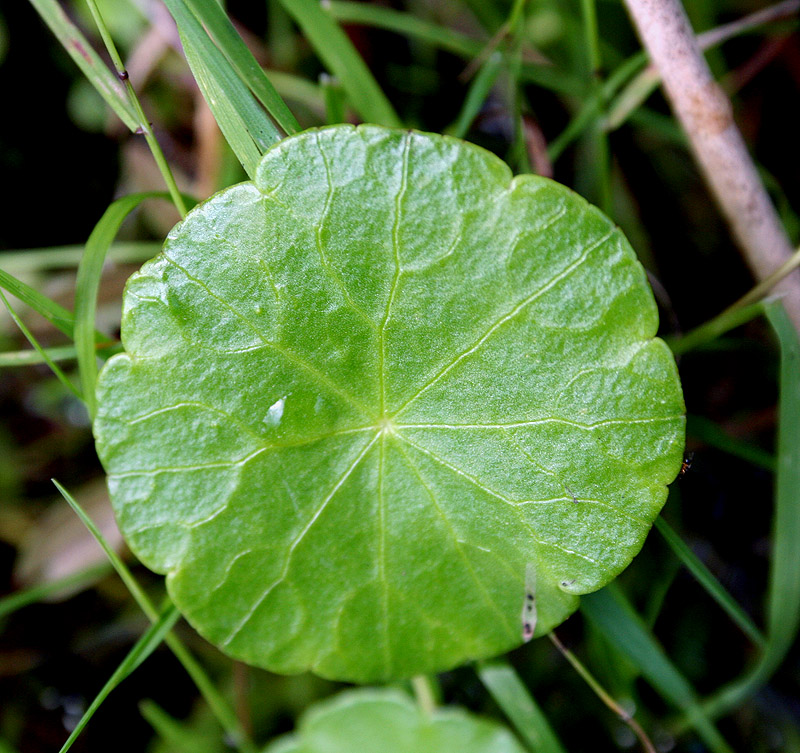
[370,395]
[386,721]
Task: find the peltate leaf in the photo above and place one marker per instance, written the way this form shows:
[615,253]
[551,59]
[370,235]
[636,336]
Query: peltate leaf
[386,721]
[381,398]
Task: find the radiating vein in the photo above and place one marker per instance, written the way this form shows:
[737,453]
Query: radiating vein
[397,267]
[323,257]
[285,352]
[512,503]
[505,318]
[381,523]
[457,544]
[548,420]
[295,543]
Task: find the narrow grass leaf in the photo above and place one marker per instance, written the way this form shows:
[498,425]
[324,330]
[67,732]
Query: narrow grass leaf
[177,737]
[217,703]
[623,628]
[710,433]
[511,695]
[593,104]
[342,59]
[783,615]
[30,357]
[783,600]
[96,71]
[404,23]
[244,124]
[222,31]
[478,91]
[714,328]
[707,580]
[87,284]
[58,353]
[27,260]
[11,603]
[144,647]
[56,314]
[334,99]
[60,375]
[546,76]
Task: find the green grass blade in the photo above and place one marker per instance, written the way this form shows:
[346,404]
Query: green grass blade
[141,650]
[404,23]
[219,706]
[87,284]
[239,56]
[333,94]
[244,124]
[11,603]
[707,580]
[31,356]
[518,705]
[783,600]
[299,90]
[783,615]
[176,737]
[57,315]
[27,260]
[623,628]
[546,76]
[96,71]
[714,328]
[593,105]
[340,56]
[478,91]
[60,375]
[710,433]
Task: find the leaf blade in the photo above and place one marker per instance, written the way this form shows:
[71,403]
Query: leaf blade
[332,388]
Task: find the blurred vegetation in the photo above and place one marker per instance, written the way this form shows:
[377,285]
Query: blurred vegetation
[546,95]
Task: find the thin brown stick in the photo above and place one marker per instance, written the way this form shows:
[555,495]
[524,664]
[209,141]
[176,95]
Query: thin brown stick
[706,115]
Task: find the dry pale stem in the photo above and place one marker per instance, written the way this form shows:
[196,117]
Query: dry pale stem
[706,115]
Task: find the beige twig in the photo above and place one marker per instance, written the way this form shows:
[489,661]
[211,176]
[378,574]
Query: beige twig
[706,115]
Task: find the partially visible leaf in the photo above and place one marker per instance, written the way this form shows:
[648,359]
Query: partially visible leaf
[367,393]
[386,721]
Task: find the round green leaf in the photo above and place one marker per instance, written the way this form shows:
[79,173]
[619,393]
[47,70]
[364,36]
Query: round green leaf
[387,721]
[380,399]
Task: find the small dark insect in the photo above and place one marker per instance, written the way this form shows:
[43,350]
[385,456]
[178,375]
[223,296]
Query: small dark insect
[686,465]
[123,75]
